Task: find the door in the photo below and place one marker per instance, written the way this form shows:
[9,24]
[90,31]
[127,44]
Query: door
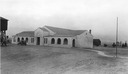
[73,43]
[38,40]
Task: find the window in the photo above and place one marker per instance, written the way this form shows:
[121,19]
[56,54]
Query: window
[45,40]
[18,39]
[32,40]
[52,41]
[59,41]
[65,41]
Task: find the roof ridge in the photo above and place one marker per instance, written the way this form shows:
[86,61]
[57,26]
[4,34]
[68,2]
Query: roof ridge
[62,28]
[57,27]
[42,28]
[65,32]
[27,31]
[3,18]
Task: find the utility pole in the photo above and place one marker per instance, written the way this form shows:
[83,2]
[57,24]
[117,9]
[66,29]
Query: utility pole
[116,36]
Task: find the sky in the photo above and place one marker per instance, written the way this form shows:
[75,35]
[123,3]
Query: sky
[98,15]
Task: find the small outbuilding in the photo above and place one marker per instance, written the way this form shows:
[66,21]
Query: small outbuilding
[96,42]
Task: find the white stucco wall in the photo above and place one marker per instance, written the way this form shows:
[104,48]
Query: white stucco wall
[59,45]
[28,43]
[40,33]
[85,40]
[13,40]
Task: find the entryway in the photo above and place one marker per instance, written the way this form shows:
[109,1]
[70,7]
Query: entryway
[73,43]
[38,41]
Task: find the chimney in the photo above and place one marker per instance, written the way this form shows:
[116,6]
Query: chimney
[90,31]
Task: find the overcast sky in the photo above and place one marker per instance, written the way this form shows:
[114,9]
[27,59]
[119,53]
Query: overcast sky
[98,15]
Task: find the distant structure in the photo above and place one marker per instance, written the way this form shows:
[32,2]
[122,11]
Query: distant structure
[96,42]
[58,37]
[3,25]
[3,29]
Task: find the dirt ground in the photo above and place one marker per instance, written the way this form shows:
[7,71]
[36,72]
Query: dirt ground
[52,60]
[112,51]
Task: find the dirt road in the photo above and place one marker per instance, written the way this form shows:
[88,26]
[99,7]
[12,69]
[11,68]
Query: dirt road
[50,60]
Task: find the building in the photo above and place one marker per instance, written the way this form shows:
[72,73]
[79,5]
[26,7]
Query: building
[25,35]
[58,37]
[3,29]
[96,42]
[3,24]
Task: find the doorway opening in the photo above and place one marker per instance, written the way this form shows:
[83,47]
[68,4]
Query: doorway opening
[38,41]
[73,43]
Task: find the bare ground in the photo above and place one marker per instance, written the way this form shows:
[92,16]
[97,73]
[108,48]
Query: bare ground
[50,60]
[112,51]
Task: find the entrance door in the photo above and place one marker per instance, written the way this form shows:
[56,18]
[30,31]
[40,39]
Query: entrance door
[73,43]
[38,40]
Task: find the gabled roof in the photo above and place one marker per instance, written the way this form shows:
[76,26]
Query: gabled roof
[64,32]
[43,29]
[26,34]
[2,18]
